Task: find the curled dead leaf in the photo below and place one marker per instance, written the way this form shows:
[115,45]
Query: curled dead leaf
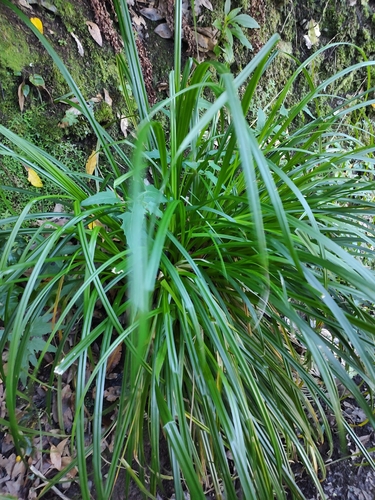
[95,32]
[81,52]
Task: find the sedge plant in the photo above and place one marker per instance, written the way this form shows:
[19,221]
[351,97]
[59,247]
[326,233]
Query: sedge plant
[220,253]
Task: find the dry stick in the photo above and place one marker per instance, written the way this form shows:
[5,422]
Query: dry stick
[40,475]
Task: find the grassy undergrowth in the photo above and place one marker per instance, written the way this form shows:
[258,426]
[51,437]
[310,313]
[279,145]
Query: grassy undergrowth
[217,257]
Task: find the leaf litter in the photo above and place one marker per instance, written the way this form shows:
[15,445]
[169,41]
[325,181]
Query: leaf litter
[52,454]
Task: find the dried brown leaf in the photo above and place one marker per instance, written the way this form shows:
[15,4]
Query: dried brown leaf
[95,32]
[97,98]
[66,403]
[138,21]
[21,96]
[107,97]
[114,359]
[55,457]
[8,463]
[7,443]
[61,445]
[163,31]
[112,393]
[81,52]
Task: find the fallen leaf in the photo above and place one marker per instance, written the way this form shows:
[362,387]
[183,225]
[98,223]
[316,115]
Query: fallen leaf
[61,445]
[34,178]
[138,21]
[37,23]
[124,125]
[97,98]
[21,96]
[107,97]
[313,34]
[163,31]
[67,403]
[81,52]
[92,162]
[114,359]
[93,224]
[205,43]
[55,457]
[65,461]
[151,13]
[112,393]
[7,444]
[8,463]
[95,32]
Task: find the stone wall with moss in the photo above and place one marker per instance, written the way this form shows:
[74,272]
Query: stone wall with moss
[22,56]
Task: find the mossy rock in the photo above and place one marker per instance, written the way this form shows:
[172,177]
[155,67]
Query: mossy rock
[22,58]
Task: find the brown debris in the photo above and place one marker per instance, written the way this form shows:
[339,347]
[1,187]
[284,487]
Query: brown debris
[105,23]
[258,12]
[147,71]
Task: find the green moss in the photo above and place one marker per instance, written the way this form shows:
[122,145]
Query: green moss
[104,113]
[70,14]
[14,49]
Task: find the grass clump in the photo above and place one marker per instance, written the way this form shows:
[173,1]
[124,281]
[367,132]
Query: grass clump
[217,252]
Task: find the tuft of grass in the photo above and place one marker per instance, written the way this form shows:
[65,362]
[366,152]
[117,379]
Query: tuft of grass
[217,258]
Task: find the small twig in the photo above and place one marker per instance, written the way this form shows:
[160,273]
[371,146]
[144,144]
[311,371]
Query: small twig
[40,475]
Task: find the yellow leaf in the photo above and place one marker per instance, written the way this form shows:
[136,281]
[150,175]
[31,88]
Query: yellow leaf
[37,23]
[92,162]
[94,224]
[34,178]
[373,105]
